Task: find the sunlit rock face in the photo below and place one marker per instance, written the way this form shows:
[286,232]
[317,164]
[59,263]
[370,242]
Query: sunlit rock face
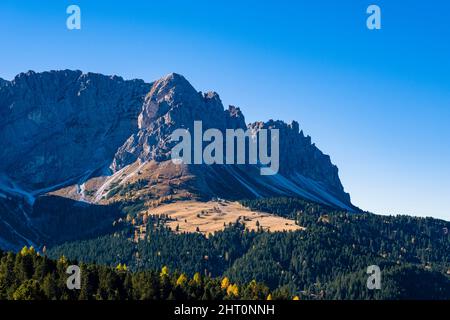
[173,103]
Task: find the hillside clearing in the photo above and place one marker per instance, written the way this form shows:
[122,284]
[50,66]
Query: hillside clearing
[213,216]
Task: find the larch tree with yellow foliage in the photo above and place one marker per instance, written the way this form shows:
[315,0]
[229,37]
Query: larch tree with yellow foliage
[27,251]
[233,290]
[197,278]
[122,267]
[225,283]
[164,272]
[182,280]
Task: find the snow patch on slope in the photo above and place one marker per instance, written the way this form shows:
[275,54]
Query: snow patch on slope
[9,187]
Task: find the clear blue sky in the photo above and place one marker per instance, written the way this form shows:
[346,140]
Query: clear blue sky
[377,101]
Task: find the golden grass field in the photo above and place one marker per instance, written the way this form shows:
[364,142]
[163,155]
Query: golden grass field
[212,216]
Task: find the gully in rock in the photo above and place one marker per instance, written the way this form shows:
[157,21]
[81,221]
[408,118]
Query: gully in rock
[257,143]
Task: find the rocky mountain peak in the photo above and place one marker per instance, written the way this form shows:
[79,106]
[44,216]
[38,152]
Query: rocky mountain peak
[172,87]
[234,118]
[176,98]
[172,103]
[300,157]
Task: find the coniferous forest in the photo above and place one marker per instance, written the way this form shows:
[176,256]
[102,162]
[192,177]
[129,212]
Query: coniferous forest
[328,259]
[30,276]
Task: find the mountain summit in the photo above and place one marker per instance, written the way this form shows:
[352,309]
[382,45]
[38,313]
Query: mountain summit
[173,103]
[80,135]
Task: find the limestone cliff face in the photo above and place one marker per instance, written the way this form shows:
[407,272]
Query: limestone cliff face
[59,125]
[62,125]
[298,156]
[172,103]
[3,82]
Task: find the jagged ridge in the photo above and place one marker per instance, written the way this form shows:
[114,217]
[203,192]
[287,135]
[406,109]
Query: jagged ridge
[173,103]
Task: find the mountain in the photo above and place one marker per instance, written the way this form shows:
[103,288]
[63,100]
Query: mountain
[57,127]
[173,103]
[84,136]
[3,82]
[60,125]
[86,173]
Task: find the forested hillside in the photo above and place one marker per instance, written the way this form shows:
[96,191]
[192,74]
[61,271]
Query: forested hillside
[326,260]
